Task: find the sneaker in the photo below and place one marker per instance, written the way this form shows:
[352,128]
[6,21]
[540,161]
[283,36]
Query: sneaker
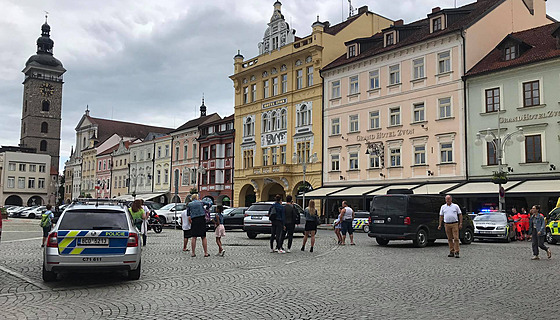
[223,253]
[451,255]
[281,251]
[311,250]
[288,250]
[535,258]
[456,254]
[548,253]
[271,251]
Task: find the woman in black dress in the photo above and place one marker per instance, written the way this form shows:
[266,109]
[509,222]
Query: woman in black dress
[311,222]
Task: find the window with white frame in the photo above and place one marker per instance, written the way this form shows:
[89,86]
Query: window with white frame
[335,126]
[444,62]
[394,74]
[245,95]
[354,123]
[335,162]
[265,156]
[185,150]
[419,155]
[418,68]
[275,119]
[254,92]
[354,88]
[283,154]
[395,157]
[265,123]
[266,89]
[309,76]
[32,168]
[284,83]
[374,161]
[248,129]
[303,115]
[446,152]
[374,120]
[436,24]
[444,108]
[419,111]
[395,116]
[335,89]
[299,79]
[11,182]
[275,86]
[11,166]
[389,39]
[42,168]
[374,79]
[353,157]
[21,183]
[31,183]
[274,151]
[283,119]
[351,51]
[41,183]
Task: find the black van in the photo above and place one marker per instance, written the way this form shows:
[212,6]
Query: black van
[411,217]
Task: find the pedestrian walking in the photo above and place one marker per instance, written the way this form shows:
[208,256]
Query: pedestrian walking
[186,226]
[144,229]
[197,220]
[311,222]
[220,229]
[137,213]
[347,218]
[276,214]
[46,223]
[451,215]
[337,226]
[537,226]
[291,219]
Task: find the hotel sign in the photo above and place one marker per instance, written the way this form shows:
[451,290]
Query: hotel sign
[386,135]
[274,139]
[274,103]
[528,117]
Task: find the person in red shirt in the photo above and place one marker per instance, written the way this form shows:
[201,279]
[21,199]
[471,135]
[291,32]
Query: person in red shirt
[517,222]
[525,218]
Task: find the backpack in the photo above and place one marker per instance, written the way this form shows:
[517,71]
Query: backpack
[45,221]
[272,213]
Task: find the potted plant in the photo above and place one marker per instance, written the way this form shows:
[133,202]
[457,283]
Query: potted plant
[499,177]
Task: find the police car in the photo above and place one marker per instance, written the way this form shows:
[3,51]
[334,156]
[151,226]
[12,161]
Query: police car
[93,236]
[361,221]
[553,225]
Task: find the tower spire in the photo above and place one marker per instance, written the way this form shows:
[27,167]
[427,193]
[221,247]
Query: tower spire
[202,107]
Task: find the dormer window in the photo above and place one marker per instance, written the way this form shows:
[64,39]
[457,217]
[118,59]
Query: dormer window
[510,52]
[389,39]
[351,51]
[436,24]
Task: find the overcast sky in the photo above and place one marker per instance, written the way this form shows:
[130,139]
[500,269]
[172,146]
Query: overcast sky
[150,61]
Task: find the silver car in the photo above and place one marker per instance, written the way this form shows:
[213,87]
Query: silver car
[93,236]
[493,226]
[256,219]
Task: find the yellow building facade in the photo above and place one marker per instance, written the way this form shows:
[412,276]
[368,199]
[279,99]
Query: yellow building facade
[278,105]
[88,172]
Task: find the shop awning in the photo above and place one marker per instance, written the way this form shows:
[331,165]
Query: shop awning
[322,192]
[125,197]
[477,188]
[149,196]
[355,191]
[433,188]
[536,186]
[387,188]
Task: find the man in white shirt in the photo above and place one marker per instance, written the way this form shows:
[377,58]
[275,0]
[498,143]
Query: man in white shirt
[451,215]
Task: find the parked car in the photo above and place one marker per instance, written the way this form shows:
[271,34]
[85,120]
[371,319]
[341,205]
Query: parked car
[256,219]
[17,212]
[411,217]
[495,226]
[13,209]
[553,225]
[171,213]
[361,221]
[233,217]
[93,237]
[33,212]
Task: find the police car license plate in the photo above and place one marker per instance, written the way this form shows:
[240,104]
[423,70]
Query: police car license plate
[378,221]
[94,242]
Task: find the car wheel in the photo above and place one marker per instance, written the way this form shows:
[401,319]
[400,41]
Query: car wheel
[31,216]
[162,219]
[549,238]
[366,229]
[468,237]
[421,239]
[251,235]
[135,274]
[382,241]
[48,276]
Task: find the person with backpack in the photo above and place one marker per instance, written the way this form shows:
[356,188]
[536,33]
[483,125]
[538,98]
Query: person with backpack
[311,222]
[276,214]
[292,218]
[220,229]
[197,219]
[46,223]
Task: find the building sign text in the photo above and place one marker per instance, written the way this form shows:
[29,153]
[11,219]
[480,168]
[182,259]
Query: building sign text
[274,103]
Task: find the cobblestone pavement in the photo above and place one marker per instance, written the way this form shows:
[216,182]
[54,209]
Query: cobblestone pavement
[366,281]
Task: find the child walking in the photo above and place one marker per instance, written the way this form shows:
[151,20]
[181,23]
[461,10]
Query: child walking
[186,226]
[220,229]
[337,226]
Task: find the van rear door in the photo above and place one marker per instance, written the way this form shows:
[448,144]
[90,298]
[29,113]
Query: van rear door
[389,214]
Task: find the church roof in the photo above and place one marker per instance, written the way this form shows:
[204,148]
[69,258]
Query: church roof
[106,128]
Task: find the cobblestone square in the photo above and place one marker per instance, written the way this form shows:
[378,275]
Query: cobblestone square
[366,281]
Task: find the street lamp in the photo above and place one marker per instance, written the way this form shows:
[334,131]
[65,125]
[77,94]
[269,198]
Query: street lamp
[376,149]
[499,145]
[302,159]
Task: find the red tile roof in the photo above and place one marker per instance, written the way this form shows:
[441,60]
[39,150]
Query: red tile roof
[107,128]
[115,147]
[542,46]
[419,31]
[198,121]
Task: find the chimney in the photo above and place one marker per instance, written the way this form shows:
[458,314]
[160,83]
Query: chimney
[399,22]
[363,9]
[436,9]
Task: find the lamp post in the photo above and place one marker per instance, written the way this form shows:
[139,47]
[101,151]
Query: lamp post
[376,149]
[499,145]
[302,159]
[202,171]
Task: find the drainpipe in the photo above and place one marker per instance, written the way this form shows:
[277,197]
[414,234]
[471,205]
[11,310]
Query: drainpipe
[111,177]
[323,202]
[172,171]
[153,167]
[465,107]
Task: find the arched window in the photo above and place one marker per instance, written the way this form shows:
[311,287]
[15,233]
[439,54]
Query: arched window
[283,119]
[44,127]
[248,128]
[43,145]
[303,116]
[46,105]
[275,121]
[265,123]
